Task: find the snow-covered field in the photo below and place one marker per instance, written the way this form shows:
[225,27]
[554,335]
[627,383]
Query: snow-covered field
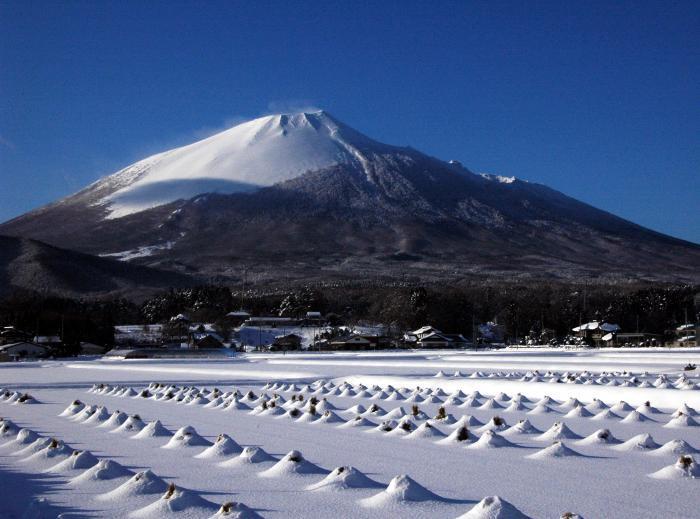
[605,433]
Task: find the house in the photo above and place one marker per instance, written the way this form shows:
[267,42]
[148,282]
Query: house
[313,319]
[420,333]
[10,334]
[171,353]
[634,339]
[88,348]
[686,335]
[443,340]
[358,342]
[48,340]
[271,322]
[597,333]
[491,332]
[351,342]
[290,341]
[23,350]
[237,318]
[138,335]
[208,341]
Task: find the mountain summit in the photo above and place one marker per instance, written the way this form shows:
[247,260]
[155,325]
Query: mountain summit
[303,196]
[255,154]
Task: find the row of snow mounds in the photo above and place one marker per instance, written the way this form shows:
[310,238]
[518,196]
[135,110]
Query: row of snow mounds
[571,408]
[16,397]
[47,454]
[662,381]
[400,490]
[665,395]
[82,467]
[405,427]
[403,490]
[429,395]
[264,404]
[184,437]
[230,401]
[173,500]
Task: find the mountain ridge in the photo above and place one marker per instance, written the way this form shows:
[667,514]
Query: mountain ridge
[31,265]
[360,205]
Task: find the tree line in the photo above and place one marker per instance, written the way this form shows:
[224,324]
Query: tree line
[522,308]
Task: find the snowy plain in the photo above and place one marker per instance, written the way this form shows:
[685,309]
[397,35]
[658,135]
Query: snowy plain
[580,450]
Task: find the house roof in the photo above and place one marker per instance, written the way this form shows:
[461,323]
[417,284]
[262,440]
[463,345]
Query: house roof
[353,338]
[20,344]
[425,329]
[456,337]
[238,313]
[596,325]
[435,337]
[47,338]
[288,336]
[685,327]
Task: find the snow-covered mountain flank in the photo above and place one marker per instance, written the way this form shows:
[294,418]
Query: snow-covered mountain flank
[255,154]
[304,196]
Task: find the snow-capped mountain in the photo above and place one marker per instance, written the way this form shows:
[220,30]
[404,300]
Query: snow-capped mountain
[305,196]
[255,154]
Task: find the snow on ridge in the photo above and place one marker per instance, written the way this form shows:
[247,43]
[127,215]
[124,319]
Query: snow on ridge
[140,252]
[500,178]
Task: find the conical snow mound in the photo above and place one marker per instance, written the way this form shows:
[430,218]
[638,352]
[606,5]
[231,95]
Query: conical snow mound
[494,507]
[233,510]
[342,478]
[175,501]
[641,442]
[248,456]
[292,463]
[522,427]
[685,467]
[491,440]
[115,420]
[559,431]
[461,435]
[426,430]
[103,470]
[676,447]
[401,489]
[186,437]
[682,420]
[330,417]
[132,424]
[74,408]
[358,421]
[24,437]
[55,449]
[77,460]
[223,447]
[145,482]
[556,450]
[600,437]
[154,429]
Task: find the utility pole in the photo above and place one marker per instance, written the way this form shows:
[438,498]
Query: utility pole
[473,332]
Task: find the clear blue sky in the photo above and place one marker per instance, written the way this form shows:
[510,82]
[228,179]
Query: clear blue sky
[600,100]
